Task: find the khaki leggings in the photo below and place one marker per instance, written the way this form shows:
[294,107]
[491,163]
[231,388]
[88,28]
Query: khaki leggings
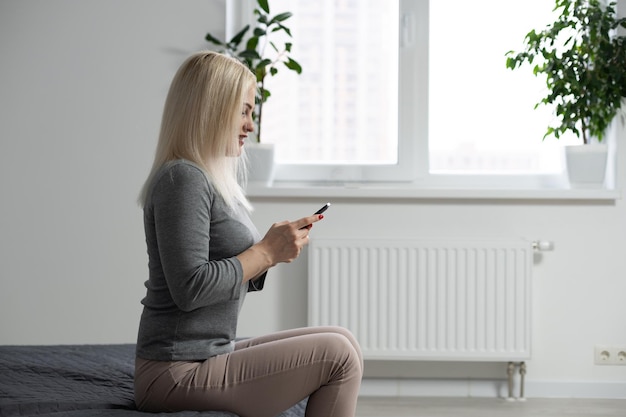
[262,377]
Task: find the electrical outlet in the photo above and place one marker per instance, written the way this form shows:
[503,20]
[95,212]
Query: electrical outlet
[602,355]
[610,355]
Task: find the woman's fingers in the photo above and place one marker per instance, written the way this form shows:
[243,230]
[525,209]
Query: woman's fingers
[307,222]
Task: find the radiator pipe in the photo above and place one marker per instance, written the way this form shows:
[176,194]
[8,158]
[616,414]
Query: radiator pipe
[510,371]
[522,373]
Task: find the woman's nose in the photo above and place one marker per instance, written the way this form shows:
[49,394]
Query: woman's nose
[249,126]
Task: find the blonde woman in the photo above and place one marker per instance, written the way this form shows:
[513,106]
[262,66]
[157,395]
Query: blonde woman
[204,256]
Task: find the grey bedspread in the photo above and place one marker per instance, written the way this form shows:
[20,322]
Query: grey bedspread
[76,381]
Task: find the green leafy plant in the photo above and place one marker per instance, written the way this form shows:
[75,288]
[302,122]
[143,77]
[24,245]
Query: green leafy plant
[584,62]
[260,53]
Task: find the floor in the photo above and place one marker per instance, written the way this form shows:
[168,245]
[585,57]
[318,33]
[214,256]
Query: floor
[488,407]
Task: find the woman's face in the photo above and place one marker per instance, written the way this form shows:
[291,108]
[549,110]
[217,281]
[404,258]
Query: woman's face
[247,125]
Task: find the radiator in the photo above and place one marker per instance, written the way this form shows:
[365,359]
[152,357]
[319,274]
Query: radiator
[430,299]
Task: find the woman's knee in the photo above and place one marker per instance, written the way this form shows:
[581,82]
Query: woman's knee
[338,346]
[350,337]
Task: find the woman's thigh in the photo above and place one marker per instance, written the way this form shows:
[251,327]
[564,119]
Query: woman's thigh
[286,334]
[266,378]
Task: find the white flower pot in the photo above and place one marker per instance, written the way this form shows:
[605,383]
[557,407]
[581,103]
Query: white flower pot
[260,163]
[586,165]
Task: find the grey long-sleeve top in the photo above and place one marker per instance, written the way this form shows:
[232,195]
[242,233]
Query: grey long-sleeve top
[195,288]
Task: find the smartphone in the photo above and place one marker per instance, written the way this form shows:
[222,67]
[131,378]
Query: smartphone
[320,211]
[323,209]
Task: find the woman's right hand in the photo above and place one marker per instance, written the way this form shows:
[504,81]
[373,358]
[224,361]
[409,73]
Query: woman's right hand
[283,242]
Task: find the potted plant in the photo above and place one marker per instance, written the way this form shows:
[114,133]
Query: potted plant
[583,59]
[264,57]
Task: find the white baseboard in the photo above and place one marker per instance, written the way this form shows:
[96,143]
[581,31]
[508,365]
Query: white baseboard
[390,387]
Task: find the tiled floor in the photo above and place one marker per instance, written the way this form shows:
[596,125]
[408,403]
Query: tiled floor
[488,407]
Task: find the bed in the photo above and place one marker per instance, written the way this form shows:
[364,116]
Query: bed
[78,380]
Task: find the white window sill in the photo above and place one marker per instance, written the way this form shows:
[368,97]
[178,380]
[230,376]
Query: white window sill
[412,191]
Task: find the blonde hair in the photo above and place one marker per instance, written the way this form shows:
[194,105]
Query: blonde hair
[201,121]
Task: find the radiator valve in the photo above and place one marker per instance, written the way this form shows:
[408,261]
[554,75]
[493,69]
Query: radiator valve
[542,245]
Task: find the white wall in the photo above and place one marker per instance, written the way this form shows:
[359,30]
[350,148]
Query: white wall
[82,84]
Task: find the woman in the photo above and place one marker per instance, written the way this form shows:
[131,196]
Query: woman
[205,255]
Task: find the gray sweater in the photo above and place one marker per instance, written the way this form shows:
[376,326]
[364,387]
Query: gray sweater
[195,288]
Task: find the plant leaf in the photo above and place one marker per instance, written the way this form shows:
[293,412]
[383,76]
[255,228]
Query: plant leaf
[253,42]
[263,4]
[236,40]
[293,65]
[249,54]
[264,63]
[281,17]
[213,39]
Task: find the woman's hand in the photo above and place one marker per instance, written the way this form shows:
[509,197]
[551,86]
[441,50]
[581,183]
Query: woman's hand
[282,243]
[285,240]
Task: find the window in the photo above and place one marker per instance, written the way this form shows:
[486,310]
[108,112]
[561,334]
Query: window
[407,90]
[338,120]
[481,115]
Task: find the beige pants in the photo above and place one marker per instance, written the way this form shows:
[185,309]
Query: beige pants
[262,377]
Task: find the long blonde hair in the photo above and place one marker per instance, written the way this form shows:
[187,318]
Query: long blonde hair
[201,121]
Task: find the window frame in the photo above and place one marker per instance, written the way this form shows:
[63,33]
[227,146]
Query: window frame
[412,169]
